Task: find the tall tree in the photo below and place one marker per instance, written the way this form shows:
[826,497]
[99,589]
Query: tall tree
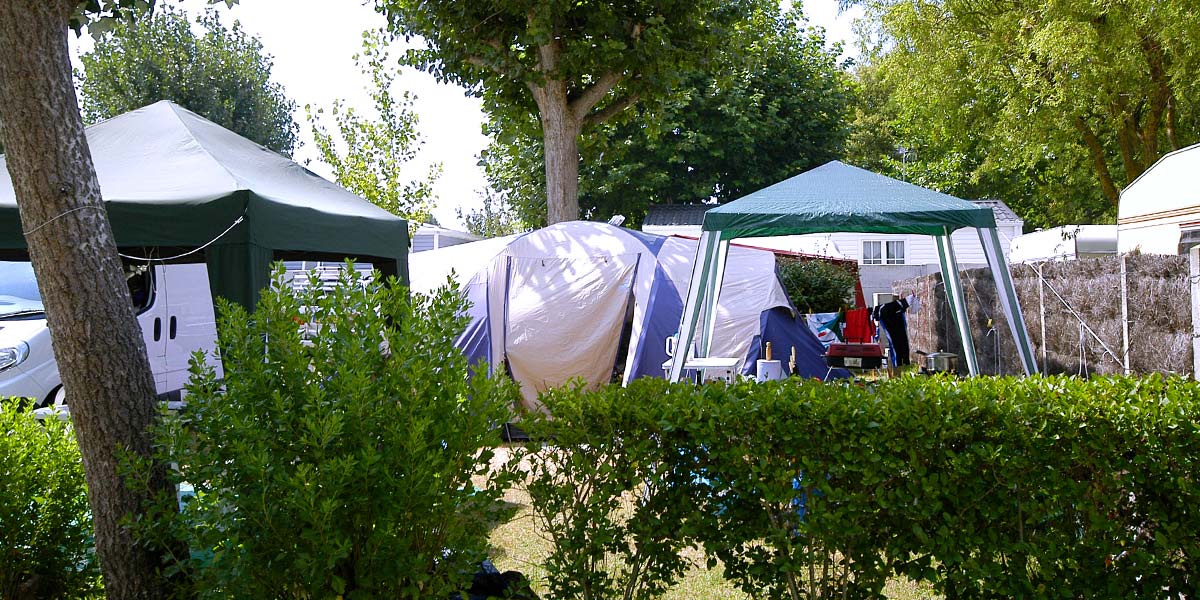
[97,341]
[573,63]
[1109,82]
[370,157]
[772,103]
[904,137]
[222,74]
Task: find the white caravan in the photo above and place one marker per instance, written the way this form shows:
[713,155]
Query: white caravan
[174,308]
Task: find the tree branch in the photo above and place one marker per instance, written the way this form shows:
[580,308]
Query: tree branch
[482,63]
[1160,98]
[1096,149]
[610,111]
[590,97]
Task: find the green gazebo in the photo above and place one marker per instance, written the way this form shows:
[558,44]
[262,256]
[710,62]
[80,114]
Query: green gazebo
[174,183]
[837,197]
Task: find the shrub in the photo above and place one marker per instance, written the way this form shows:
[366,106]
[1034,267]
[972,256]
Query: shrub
[983,487]
[787,508]
[45,526]
[815,285]
[340,465]
[604,493]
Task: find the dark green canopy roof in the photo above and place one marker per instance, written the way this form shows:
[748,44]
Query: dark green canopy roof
[837,197]
[173,180]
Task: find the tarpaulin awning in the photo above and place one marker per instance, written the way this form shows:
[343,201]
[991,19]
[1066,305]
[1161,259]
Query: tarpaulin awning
[172,180]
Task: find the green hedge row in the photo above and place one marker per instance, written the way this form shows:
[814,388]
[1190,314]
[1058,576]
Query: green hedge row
[984,488]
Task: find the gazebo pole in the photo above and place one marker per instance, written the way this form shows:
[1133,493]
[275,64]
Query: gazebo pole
[958,305]
[1008,297]
[713,295]
[702,272]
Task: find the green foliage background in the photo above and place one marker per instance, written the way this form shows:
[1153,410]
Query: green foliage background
[554,69]
[1052,107]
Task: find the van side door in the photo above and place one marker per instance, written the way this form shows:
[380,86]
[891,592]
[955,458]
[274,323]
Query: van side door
[190,322]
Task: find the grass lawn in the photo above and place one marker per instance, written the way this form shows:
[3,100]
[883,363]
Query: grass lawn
[518,545]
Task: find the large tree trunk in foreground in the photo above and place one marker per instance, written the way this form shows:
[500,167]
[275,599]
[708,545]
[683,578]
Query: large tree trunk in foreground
[97,341]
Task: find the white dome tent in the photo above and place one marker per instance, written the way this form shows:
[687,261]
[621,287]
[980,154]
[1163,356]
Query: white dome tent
[557,303]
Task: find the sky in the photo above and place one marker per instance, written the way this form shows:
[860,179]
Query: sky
[312,43]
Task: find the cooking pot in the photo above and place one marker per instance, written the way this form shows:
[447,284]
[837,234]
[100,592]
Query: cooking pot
[941,362]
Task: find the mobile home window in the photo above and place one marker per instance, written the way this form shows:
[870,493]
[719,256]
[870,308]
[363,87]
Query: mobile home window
[872,253]
[878,252]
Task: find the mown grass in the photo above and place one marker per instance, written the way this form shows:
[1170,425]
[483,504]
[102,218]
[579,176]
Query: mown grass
[519,545]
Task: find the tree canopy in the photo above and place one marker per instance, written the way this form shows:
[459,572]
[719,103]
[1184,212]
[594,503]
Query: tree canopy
[774,103]
[1065,102]
[903,137]
[221,74]
[572,63]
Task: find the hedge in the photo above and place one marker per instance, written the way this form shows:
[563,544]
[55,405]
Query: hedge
[984,488]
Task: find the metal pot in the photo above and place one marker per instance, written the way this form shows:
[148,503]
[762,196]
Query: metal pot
[941,362]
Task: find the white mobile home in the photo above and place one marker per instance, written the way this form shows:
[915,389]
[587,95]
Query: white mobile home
[1160,211]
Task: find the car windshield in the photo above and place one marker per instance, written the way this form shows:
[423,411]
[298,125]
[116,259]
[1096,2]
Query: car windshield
[18,290]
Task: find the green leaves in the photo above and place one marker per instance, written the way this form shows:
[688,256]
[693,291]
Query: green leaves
[1053,107]
[336,455]
[46,547]
[817,285]
[369,154]
[802,489]
[220,73]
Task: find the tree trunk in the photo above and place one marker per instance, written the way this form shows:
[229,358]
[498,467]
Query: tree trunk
[97,341]
[1099,161]
[560,138]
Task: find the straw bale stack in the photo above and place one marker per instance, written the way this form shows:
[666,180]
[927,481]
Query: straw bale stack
[1158,307]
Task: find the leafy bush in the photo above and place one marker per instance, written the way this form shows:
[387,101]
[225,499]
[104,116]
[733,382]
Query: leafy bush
[605,494]
[45,526]
[984,488]
[815,285]
[340,465]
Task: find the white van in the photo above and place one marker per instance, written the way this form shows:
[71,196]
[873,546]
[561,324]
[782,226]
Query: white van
[174,308]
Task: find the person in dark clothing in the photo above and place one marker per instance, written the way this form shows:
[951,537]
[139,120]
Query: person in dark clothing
[891,316]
